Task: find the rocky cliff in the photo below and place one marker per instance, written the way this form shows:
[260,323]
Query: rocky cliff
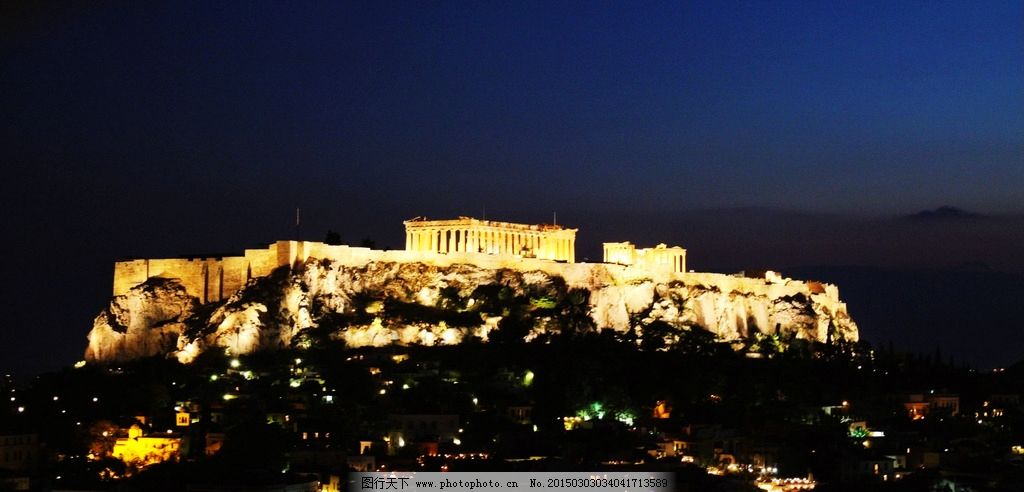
[382,303]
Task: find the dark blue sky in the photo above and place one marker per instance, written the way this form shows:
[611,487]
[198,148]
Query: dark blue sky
[156,128]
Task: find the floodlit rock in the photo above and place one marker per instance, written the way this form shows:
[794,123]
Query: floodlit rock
[384,302]
[146,321]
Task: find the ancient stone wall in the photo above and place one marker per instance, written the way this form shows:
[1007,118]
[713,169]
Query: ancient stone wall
[216,279]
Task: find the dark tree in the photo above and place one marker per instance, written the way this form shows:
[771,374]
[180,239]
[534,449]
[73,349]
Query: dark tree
[333,238]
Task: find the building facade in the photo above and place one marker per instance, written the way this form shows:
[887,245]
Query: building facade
[140,450]
[19,452]
[469,235]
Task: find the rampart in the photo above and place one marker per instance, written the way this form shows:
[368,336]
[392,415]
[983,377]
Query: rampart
[213,279]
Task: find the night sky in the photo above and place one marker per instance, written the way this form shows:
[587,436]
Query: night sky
[789,135]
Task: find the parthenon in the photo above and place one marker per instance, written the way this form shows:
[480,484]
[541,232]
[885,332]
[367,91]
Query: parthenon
[469,235]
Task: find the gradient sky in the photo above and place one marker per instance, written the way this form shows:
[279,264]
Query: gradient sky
[159,128]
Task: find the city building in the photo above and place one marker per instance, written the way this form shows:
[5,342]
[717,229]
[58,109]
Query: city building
[140,450]
[410,429]
[19,452]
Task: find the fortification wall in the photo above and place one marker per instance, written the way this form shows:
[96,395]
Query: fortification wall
[215,279]
[128,274]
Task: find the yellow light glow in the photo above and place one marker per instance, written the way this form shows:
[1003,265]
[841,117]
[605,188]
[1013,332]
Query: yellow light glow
[142,451]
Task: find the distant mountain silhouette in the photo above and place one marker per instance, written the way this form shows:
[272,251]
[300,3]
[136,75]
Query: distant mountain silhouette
[945,213]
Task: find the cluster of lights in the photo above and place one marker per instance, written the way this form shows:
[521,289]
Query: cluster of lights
[465,456]
[785,484]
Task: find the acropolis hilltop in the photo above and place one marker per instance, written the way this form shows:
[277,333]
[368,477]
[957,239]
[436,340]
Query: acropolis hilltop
[268,297]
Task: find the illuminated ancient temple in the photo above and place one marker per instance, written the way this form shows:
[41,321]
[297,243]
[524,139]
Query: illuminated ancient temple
[658,258]
[468,235]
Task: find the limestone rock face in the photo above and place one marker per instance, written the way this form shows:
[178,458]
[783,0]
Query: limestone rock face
[146,321]
[381,303]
